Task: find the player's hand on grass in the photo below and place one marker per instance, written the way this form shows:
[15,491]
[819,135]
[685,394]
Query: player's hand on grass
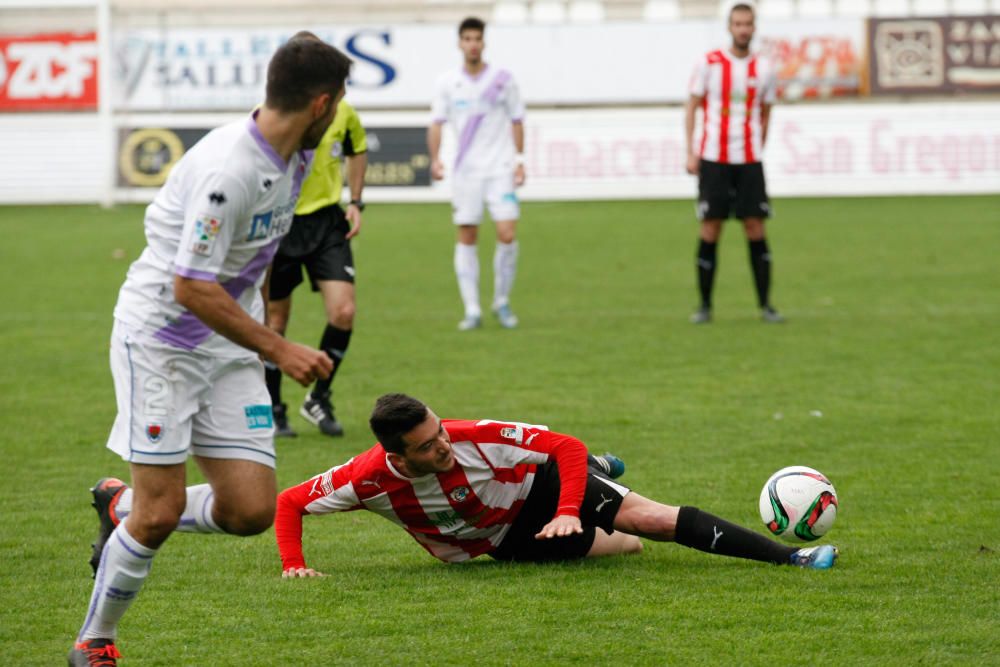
[353,215]
[437,170]
[694,161]
[303,364]
[561,526]
[297,572]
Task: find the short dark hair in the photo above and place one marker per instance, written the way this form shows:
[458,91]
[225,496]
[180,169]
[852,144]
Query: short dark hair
[741,7]
[394,416]
[302,68]
[471,23]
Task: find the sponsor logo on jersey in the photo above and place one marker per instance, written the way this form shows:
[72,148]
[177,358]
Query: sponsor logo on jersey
[258,416]
[260,226]
[270,224]
[206,228]
[217,198]
[459,494]
[154,432]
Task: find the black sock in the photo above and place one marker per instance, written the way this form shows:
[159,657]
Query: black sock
[706,532]
[272,377]
[706,270]
[334,342]
[760,260]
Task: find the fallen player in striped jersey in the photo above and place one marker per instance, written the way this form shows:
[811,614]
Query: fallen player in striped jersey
[514,491]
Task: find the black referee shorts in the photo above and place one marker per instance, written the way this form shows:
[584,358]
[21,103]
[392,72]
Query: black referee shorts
[732,190]
[601,501]
[317,242]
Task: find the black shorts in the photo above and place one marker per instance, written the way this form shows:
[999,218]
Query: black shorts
[316,241]
[732,190]
[601,501]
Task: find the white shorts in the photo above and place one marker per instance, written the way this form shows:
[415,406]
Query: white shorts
[173,403]
[497,191]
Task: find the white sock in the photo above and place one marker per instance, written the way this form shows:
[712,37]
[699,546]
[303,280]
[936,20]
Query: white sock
[124,566]
[504,271]
[197,516]
[467,271]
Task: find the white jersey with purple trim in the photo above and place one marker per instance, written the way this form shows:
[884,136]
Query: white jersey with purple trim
[220,217]
[481,110]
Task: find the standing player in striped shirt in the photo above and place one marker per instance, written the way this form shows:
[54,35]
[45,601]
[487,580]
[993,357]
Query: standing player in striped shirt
[735,90]
[484,107]
[515,491]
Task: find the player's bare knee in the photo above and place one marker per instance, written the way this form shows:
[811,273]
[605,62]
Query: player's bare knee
[248,521]
[152,526]
[711,230]
[506,235]
[754,229]
[342,315]
[632,545]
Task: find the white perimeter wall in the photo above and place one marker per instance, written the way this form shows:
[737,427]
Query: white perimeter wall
[814,149]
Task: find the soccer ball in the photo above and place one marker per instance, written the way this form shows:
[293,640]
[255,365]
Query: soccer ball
[798,504]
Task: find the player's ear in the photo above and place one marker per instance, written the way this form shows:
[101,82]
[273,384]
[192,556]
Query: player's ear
[397,461]
[321,105]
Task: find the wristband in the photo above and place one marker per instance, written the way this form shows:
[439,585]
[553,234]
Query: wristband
[519,160]
[357,202]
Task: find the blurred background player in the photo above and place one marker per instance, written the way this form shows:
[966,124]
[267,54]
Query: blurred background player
[514,491]
[485,110]
[320,241]
[735,90]
[188,335]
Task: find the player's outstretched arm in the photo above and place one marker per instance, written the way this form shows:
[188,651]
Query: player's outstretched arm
[288,531]
[212,305]
[570,455]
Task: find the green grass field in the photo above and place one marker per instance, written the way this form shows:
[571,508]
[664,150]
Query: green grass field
[893,307]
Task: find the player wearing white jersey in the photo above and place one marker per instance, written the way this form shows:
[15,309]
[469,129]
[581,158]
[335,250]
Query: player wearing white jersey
[735,90]
[189,333]
[484,107]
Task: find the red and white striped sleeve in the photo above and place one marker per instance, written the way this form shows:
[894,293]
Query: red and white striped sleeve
[698,84]
[331,491]
[570,455]
[528,443]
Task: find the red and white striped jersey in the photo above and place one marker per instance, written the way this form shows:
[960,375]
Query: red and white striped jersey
[733,90]
[456,515]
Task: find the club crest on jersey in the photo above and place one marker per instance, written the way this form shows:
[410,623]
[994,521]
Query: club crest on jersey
[508,432]
[459,493]
[154,432]
[206,228]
